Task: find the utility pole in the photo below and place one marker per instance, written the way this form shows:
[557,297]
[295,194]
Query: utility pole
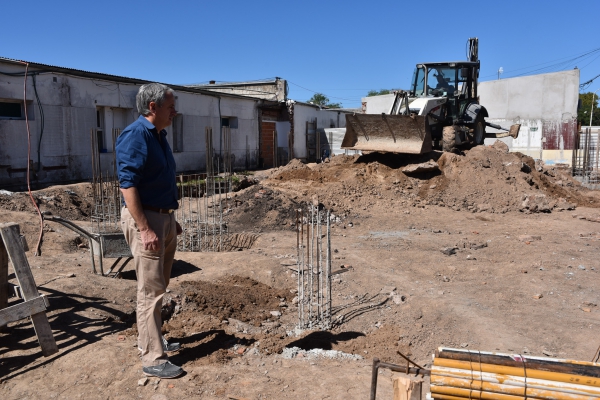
[592,112]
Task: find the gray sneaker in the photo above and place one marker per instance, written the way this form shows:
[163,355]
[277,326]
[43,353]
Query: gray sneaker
[163,371]
[167,347]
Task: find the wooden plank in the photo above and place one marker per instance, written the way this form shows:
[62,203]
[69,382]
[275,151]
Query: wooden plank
[10,235]
[16,255]
[3,276]
[22,310]
[44,334]
[3,280]
[406,388]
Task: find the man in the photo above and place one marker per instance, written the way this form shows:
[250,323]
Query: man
[147,179]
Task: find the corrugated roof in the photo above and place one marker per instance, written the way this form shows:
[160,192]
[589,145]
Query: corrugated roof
[117,78]
[241,83]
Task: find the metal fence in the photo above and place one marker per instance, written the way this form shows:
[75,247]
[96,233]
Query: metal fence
[313,243]
[586,156]
[203,199]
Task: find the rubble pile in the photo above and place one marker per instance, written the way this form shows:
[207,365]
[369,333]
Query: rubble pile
[482,179]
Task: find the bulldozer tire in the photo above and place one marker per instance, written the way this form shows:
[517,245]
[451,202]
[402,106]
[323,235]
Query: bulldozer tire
[449,139]
[479,131]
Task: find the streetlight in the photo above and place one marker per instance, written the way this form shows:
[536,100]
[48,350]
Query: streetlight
[500,70]
[592,112]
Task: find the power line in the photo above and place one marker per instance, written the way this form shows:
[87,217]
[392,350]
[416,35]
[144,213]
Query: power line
[585,85]
[557,66]
[333,97]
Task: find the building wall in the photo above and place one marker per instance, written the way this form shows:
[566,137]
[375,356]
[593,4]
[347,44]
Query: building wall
[546,107]
[378,104]
[70,106]
[275,90]
[308,113]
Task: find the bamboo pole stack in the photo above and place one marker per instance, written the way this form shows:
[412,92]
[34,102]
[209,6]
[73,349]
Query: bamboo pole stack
[465,374]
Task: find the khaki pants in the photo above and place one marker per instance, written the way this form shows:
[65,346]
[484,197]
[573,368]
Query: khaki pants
[153,270]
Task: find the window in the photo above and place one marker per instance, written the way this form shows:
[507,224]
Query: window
[11,110]
[100,130]
[178,133]
[441,81]
[231,122]
[419,81]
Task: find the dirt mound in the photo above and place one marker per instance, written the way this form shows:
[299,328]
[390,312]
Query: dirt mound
[73,202]
[485,178]
[489,179]
[260,208]
[221,320]
[234,297]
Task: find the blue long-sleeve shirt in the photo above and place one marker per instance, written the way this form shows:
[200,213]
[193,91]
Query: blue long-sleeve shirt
[145,161]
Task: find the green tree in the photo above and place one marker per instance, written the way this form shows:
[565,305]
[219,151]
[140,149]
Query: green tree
[585,109]
[378,92]
[321,100]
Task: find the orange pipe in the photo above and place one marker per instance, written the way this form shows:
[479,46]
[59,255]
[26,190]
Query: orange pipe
[472,394]
[515,381]
[530,373]
[446,397]
[521,392]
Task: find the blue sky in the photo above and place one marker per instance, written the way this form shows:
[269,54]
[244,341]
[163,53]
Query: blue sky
[340,48]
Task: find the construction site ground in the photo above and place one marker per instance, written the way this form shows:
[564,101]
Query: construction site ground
[484,250]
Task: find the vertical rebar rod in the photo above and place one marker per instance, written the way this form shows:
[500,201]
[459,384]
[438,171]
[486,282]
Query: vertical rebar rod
[298,265]
[301,271]
[311,272]
[328,271]
[198,214]
[319,269]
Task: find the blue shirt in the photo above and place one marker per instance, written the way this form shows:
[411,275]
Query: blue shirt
[145,161]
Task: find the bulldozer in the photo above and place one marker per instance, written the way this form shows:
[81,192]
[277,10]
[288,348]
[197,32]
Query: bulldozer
[441,111]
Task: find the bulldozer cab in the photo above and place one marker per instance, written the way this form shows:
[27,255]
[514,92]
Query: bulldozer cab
[457,81]
[441,95]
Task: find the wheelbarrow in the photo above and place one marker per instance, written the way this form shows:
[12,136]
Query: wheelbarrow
[106,245]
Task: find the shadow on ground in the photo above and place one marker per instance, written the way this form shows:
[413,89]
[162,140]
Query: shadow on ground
[323,340]
[72,331]
[180,268]
[204,344]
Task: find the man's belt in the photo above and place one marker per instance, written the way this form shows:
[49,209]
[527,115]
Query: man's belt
[158,210]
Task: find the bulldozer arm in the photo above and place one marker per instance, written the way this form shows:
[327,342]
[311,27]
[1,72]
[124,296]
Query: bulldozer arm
[387,133]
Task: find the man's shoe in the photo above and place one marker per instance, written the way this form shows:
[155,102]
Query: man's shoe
[163,371]
[167,347]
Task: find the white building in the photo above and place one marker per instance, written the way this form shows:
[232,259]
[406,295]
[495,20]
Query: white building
[545,105]
[73,114]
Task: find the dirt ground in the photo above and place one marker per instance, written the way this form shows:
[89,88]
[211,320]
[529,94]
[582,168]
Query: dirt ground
[484,250]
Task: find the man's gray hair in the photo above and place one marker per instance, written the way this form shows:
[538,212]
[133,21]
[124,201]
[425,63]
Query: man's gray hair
[151,92]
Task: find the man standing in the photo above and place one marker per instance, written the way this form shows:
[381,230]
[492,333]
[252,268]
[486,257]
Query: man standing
[147,179]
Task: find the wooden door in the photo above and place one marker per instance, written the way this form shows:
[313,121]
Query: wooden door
[267,144]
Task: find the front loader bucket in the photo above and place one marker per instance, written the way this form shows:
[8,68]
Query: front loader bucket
[514,130]
[387,133]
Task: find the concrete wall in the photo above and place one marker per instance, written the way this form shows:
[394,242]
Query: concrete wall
[378,104]
[70,106]
[546,107]
[275,90]
[325,119]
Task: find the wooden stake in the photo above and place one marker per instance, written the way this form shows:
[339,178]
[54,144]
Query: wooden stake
[12,242]
[406,388]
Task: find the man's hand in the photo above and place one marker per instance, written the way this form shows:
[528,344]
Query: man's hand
[149,240]
[178,227]
[134,205]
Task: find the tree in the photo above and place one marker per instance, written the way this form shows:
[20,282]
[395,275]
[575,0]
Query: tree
[378,92]
[585,109]
[321,100]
